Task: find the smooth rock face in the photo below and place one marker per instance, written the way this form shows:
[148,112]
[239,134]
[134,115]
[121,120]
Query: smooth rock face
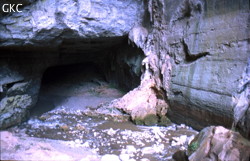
[218,143]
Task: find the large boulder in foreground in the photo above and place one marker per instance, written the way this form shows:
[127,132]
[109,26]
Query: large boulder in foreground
[218,143]
[145,104]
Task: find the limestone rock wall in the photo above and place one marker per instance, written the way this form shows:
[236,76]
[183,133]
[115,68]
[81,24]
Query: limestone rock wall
[19,88]
[196,52]
[208,46]
[241,104]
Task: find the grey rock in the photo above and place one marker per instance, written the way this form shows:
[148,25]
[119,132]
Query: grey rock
[19,92]
[199,50]
[50,22]
[241,104]
[180,156]
[191,58]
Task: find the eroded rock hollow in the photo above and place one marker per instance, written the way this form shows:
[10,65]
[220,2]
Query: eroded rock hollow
[183,59]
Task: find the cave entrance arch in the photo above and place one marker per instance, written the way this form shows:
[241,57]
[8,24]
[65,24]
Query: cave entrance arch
[91,82]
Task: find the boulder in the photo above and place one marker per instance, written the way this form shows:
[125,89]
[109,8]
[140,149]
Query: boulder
[218,143]
[145,104]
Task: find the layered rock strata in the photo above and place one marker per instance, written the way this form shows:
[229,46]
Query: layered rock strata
[196,52]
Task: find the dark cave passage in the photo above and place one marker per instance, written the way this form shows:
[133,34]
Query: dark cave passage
[91,82]
[84,70]
[68,85]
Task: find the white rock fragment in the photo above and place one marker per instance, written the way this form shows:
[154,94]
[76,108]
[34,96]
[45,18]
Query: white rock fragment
[179,140]
[182,148]
[189,139]
[110,157]
[158,148]
[86,144]
[157,132]
[78,141]
[111,132]
[130,149]
[124,157]
[182,126]
[148,150]
[144,159]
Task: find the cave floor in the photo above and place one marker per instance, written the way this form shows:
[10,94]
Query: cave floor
[64,126]
[75,91]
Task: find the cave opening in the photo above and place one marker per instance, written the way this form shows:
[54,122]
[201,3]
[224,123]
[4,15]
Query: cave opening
[92,79]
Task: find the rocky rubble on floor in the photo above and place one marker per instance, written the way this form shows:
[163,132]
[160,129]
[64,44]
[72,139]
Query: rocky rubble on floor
[103,139]
[216,143]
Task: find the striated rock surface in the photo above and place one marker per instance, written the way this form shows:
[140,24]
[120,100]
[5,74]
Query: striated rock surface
[208,41]
[196,52]
[241,103]
[217,143]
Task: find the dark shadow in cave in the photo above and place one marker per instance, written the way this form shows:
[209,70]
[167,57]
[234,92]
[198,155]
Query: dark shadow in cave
[90,83]
[74,86]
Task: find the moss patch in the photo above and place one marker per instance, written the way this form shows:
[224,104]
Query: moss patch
[164,121]
[193,146]
[149,120]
